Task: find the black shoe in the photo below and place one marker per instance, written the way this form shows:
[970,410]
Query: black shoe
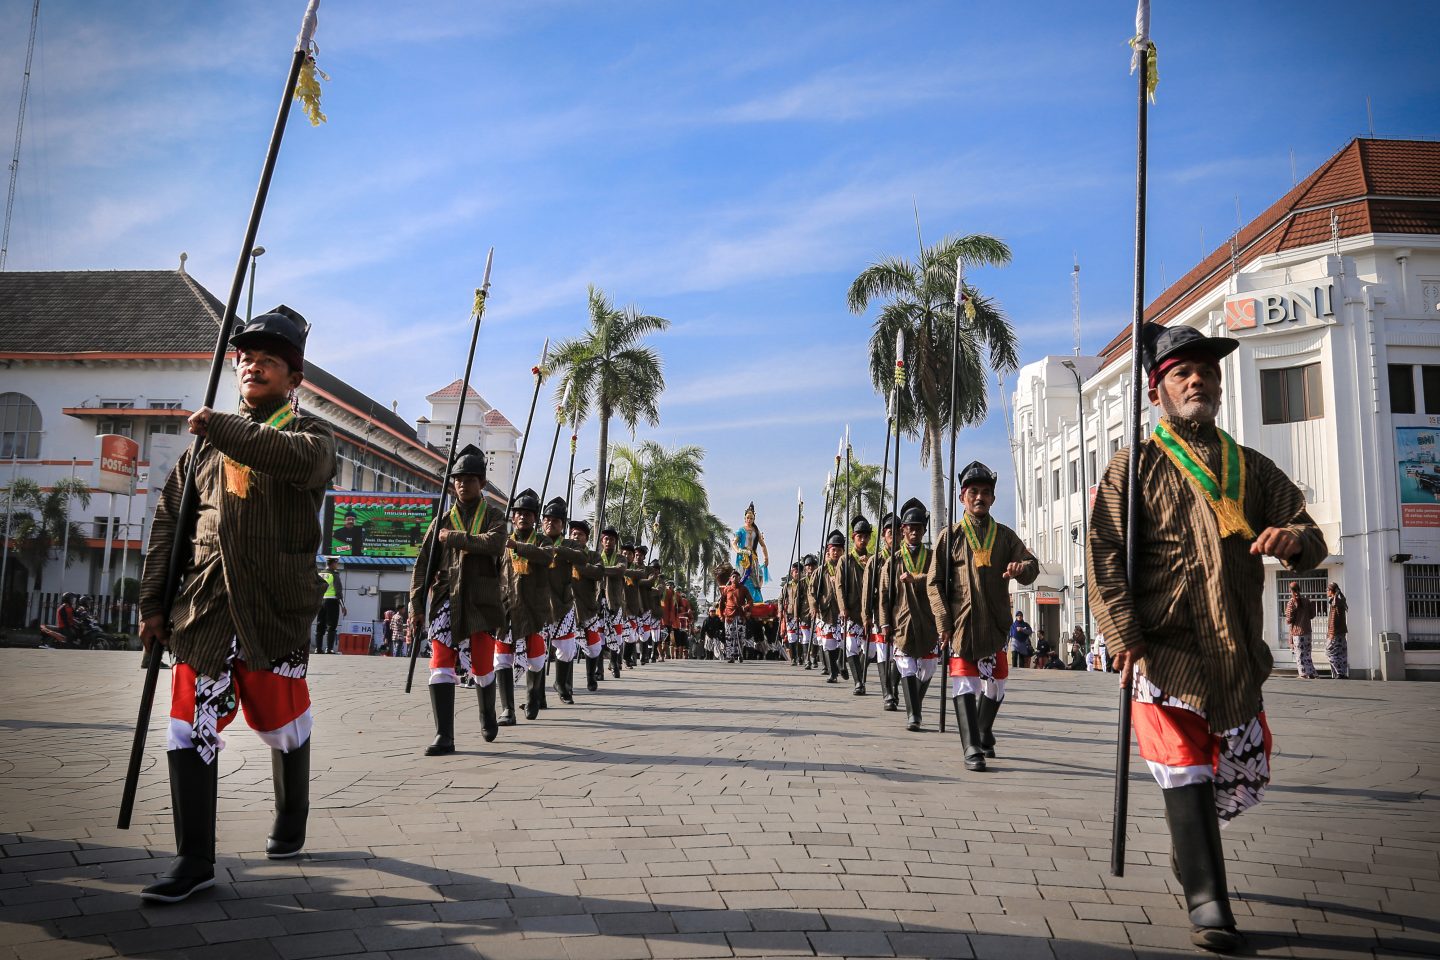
[910,686]
[291,771]
[442,705]
[591,663]
[489,724]
[832,657]
[859,675]
[505,680]
[534,690]
[967,724]
[564,671]
[1200,859]
[985,714]
[193,786]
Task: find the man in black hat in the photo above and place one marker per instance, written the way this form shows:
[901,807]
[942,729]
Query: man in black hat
[586,590]
[790,611]
[827,605]
[905,611]
[1190,625]
[850,597]
[869,602]
[460,608]
[239,628]
[560,630]
[352,534]
[976,559]
[527,604]
[809,591]
[612,559]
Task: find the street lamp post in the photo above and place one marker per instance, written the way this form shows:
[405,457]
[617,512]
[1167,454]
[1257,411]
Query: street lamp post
[255,254]
[1084,505]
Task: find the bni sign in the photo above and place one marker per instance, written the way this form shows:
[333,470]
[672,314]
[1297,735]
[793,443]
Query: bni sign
[1253,311]
[115,463]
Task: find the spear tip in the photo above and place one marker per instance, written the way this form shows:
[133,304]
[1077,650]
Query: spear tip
[489,261]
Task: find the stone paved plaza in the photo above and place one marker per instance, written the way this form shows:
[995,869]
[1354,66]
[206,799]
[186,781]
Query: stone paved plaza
[706,810]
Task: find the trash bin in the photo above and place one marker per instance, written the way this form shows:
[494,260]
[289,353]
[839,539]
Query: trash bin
[1392,657]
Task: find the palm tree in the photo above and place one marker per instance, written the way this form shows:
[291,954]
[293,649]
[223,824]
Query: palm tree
[608,371]
[865,492]
[39,520]
[919,301]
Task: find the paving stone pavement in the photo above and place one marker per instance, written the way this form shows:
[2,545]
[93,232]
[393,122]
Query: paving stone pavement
[705,810]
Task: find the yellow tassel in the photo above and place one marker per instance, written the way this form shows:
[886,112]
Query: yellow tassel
[307,90]
[969,309]
[1152,69]
[237,478]
[1231,519]
[479,307]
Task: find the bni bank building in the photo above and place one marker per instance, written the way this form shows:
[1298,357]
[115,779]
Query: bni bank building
[1334,296]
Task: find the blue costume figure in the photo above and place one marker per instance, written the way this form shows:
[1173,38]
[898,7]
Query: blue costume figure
[749,545]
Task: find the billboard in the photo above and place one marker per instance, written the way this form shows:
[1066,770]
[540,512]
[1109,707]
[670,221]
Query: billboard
[1417,458]
[115,463]
[376,524]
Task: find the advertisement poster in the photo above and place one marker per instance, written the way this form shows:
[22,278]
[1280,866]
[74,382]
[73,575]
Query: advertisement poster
[376,524]
[1419,468]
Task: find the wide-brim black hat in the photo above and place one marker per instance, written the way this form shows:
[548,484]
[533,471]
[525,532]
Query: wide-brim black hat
[527,500]
[977,472]
[835,539]
[580,524]
[1160,343]
[860,525]
[913,513]
[469,462]
[555,509]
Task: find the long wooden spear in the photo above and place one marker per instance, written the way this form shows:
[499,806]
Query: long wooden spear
[899,382]
[1141,61]
[555,444]
[478,314]
[950,502]
[180,546]
[539,372]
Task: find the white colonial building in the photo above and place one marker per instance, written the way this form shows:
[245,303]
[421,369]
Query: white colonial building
[1334,295]
[85,353]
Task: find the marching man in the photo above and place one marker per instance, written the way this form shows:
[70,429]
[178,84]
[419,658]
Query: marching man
[585,585]
[463,599]
[850,597]
[903,589]
[790,611]
[239,629]
[869,601]
[612,558]
[1190,628]
[562,626]
[827,605]
[527,603]
[809,627]
[977,558]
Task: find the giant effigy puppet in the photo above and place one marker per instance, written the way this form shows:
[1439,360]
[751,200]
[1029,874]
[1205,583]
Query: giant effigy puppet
[749,544]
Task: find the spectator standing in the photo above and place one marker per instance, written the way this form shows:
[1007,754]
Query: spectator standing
[1020,634]
[1335,646]
[332,607]
[1299,613]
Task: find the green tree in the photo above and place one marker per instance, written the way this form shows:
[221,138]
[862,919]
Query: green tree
[610,372]
[918,298]
[866,494]
[39,520]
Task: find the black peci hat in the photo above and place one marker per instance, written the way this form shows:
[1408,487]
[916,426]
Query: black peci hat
[835,539]
[810,560]
[469,462]
[913,513]
[888,522]
[609,531]
[527,500]
[977,472]
[860,525]
[555,509]
[282,330]
[579,523]
[1160,343]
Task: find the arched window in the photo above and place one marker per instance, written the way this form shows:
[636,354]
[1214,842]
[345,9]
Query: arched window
[19,427]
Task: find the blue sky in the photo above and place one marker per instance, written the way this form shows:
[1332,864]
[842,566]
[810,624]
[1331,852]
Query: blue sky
[730,166]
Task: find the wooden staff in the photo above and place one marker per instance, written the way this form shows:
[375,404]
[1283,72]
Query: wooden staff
[180,547]
[481,296]
[539,371]
[950,502]
[895,489]
[554,445]
[1141,60]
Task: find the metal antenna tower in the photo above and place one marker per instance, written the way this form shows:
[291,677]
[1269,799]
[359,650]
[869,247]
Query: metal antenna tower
[19,130]
[1075,303]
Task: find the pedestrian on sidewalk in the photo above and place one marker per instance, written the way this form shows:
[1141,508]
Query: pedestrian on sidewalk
[1299,614]
[1336,649]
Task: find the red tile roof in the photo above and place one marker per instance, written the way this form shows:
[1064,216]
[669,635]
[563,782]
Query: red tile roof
[1372,186]
[494,418]
[452,392]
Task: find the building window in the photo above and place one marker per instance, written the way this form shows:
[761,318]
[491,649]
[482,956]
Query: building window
[1293,394]
[117,404]
[1430,386]
[1114,446]
[1422,591]
[19,427]
[1039,491]
[1074,476]
[165,405]
[160,430]
[124,428]
[1055,483]
[1042,556]
[1094,476]
[1402,388]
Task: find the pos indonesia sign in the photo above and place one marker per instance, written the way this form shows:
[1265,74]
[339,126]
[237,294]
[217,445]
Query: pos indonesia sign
[377,524]
[115,463]
[1417,457]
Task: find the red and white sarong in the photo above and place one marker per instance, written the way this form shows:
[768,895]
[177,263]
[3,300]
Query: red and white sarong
[474,654]
[985,676]
[276,701]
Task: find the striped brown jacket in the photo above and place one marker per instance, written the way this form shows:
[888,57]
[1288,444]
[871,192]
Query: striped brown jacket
[251,574]
[467,573]
[914,633]
[1197,605]
[978,610]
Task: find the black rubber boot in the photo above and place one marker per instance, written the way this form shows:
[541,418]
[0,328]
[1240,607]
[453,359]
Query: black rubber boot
[193,785]
[489,725]
[857,670]
[1195,835]
[844,663]
[442,705]
[505,680]
[890,675]
[832,657]
[534,690]
[985,712]
[592,669]
[564,674]
[615,664]
[910,687]
[967,724]
[291,772]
